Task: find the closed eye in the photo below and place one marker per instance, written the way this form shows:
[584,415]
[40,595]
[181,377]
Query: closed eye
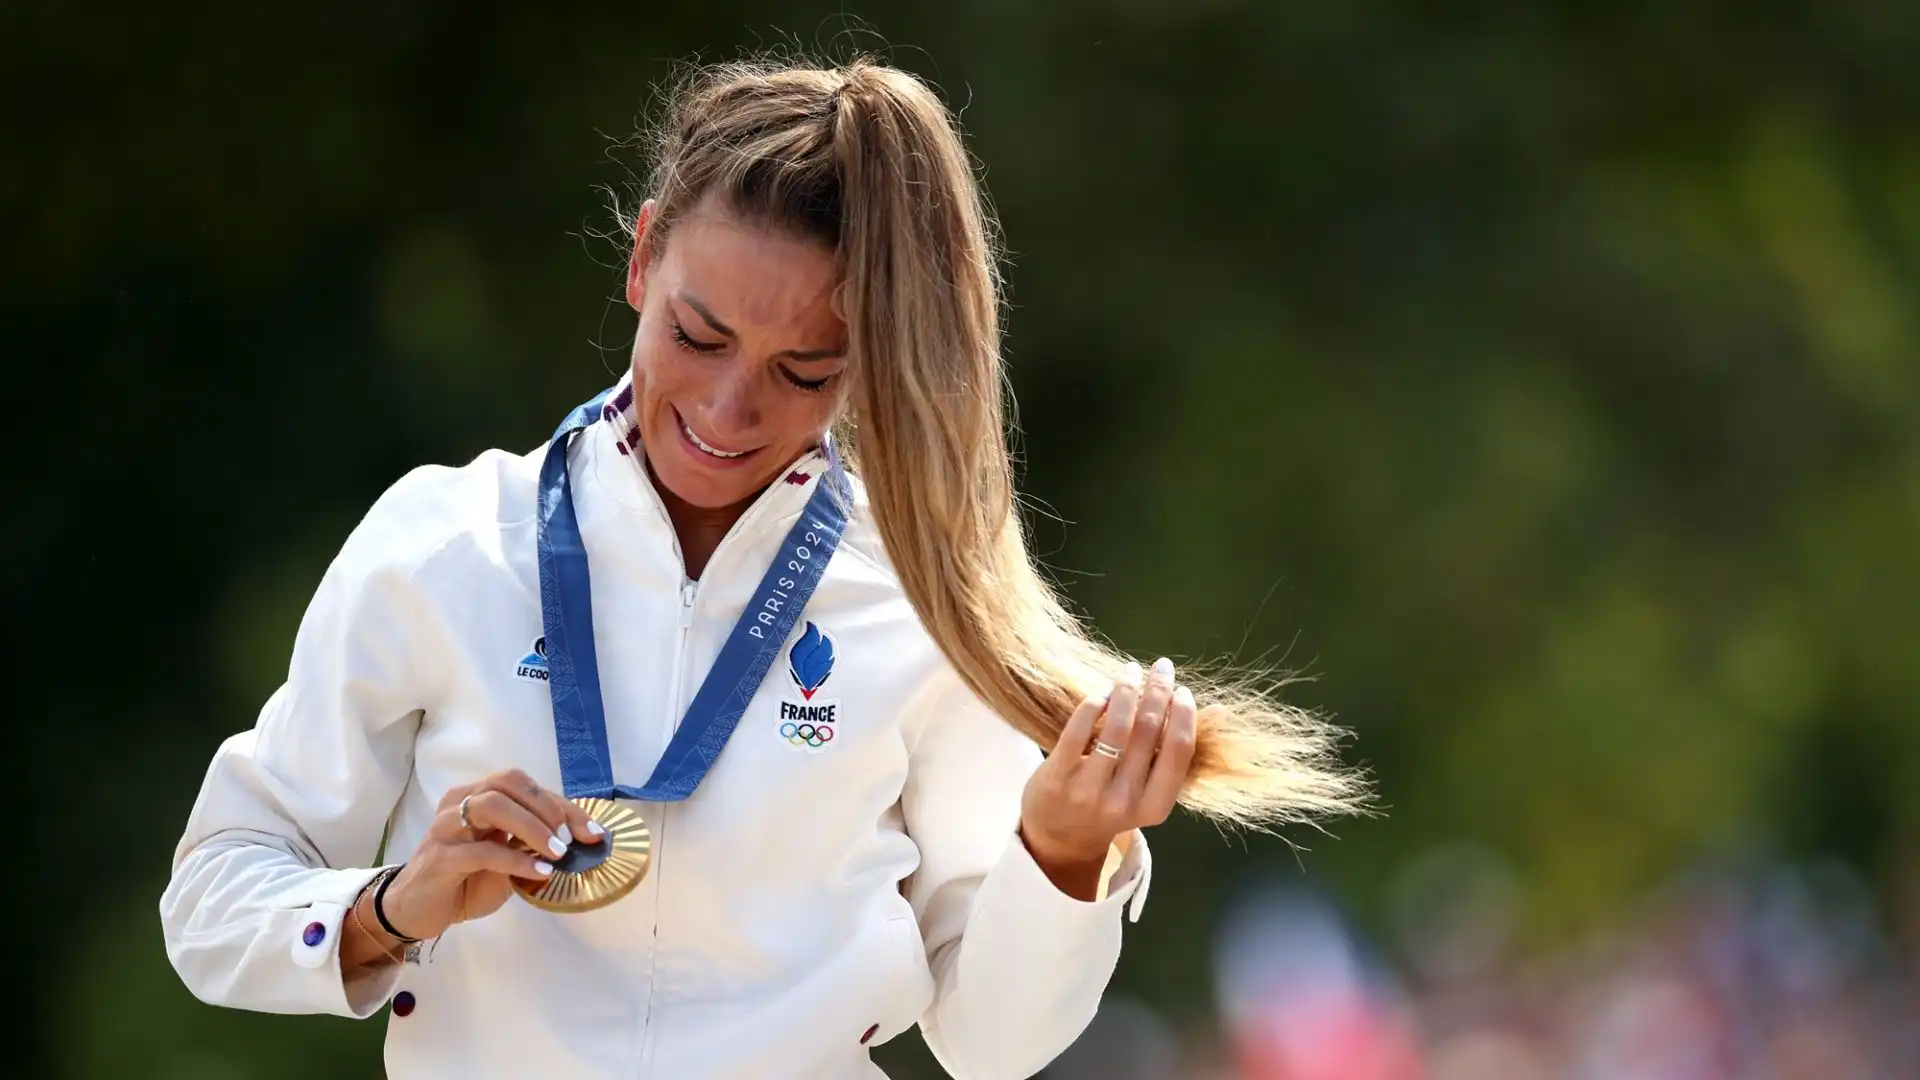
[811,386]
[692,345]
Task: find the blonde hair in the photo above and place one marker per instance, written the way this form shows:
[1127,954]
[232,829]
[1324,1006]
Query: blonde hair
[867,160]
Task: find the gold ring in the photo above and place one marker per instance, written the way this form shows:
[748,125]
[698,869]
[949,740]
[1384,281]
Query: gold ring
[1104,750]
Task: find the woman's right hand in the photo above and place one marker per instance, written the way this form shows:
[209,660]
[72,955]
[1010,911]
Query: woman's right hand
[462,872]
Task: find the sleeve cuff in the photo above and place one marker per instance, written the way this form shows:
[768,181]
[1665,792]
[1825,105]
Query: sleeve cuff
[314,933]
[1131,878]
[1128,873]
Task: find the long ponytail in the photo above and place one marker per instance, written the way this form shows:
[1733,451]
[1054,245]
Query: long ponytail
[868,159]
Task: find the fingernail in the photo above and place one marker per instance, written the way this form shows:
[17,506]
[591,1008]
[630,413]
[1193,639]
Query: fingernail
[565,834]
[594,829]
[1130,675]
[542,867]
[1183,696]
[1163,669]
[557,846]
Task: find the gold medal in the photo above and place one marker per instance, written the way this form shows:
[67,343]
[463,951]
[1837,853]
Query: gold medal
[594,875]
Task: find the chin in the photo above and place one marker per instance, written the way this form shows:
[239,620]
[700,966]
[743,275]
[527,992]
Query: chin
[709,496]
[695,487]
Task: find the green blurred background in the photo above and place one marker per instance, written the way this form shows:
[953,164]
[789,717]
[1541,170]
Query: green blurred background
[1540,379]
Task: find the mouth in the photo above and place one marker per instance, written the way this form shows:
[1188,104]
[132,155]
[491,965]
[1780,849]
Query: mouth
[705,450]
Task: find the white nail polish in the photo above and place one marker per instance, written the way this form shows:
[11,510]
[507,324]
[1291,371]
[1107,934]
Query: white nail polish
[594,828]
[542,867]
[1130,675]
[1163,669]
[1183,696]
[554,845]
[565,834]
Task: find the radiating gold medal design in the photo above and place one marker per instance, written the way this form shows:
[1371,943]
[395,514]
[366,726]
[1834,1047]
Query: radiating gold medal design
[594,875]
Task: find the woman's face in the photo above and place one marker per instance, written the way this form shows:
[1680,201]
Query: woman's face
[738,361]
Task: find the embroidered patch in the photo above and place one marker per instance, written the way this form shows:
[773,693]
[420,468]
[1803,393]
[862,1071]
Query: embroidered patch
[534,664]
[808,723]
[810,661]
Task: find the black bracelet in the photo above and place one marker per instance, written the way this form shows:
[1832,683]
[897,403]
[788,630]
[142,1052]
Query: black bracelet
[380,913]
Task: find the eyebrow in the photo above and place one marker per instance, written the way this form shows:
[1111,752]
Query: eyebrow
[802,356]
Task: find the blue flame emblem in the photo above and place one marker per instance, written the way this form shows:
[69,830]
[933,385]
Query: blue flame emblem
[810,661]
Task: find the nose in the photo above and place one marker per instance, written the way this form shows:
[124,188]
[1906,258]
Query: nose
[733,407]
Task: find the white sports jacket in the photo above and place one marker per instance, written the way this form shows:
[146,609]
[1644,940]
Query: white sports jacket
[805,904]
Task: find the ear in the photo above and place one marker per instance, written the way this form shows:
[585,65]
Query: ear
[642,258]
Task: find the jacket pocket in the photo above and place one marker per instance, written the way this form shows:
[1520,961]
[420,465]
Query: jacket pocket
[907,986]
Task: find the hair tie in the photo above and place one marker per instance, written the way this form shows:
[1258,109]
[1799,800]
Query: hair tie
[379,909]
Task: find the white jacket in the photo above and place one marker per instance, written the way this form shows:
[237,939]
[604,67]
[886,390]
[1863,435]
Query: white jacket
[801,899]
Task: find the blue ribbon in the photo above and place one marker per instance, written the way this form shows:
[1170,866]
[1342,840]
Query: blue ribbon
[573,672]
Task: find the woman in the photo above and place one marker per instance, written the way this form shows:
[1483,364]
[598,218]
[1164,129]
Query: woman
[881,842]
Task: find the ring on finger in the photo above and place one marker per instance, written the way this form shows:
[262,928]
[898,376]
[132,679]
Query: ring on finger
[1105,749]
[464,823]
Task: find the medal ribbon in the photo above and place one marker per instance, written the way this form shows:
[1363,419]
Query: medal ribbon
[566,615]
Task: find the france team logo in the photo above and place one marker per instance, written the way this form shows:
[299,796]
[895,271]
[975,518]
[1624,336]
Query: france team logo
[810,661]
[808,724]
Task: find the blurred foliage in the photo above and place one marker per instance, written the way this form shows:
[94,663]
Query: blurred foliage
[1542,378]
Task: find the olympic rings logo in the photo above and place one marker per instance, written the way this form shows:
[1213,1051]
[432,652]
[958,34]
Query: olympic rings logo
[811,735]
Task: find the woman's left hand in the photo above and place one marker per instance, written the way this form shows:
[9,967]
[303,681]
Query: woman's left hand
[1090,790]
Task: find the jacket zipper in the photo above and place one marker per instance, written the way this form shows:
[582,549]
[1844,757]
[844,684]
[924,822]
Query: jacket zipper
[689,595]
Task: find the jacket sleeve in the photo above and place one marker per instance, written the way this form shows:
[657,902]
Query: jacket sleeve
[1019,967]
[290,815]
